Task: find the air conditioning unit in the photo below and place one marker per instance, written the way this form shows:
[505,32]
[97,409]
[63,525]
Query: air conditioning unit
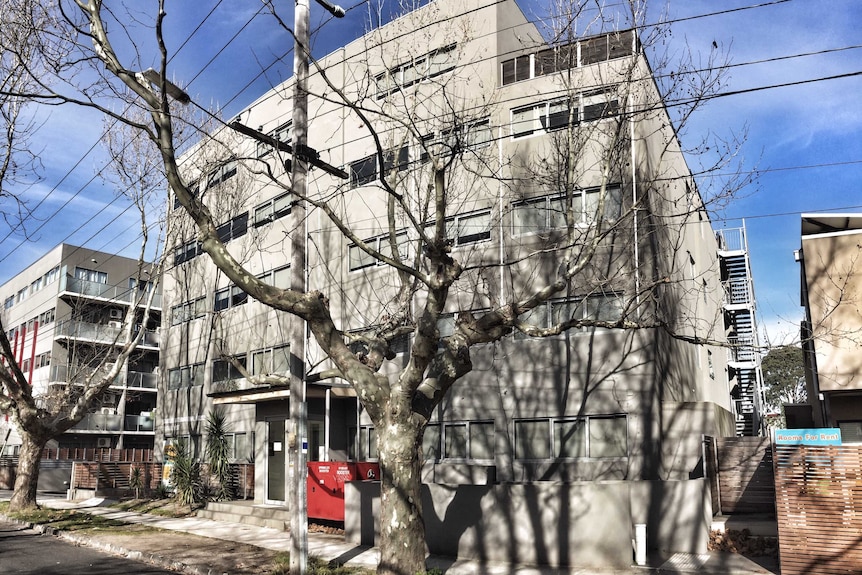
[108,411]
[116,314]
[116,324]
[104,442]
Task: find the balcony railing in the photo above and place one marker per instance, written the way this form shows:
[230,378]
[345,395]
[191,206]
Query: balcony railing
[731,239]
[141,379]
[737,291]
[100,422]
[101,333]
[110,292]
[139,423]
[137,379]
[742,349]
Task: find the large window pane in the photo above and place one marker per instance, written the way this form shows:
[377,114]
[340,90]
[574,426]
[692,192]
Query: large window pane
[473,228]
[431,443]
[363,171]
[557,213]
[358,259]
[538,316]
[532,440]
[530,217]
[558,115]
[525,121]
[482,440]
[608,437]
[281,359]
[570,439]
[455,436]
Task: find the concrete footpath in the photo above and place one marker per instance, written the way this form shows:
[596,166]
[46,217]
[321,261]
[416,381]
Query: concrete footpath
[333,547]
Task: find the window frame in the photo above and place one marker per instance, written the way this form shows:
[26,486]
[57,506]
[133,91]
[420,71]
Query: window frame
[547,430]
[268,211]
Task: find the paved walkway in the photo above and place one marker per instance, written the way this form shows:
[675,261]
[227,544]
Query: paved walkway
[333,547]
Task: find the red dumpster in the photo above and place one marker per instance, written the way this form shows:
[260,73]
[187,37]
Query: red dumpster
[325,486]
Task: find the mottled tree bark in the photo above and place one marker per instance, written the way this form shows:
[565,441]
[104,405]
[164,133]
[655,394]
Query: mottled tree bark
[27,478]
[402,529]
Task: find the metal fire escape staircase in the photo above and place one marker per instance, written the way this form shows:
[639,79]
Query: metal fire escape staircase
[741,325]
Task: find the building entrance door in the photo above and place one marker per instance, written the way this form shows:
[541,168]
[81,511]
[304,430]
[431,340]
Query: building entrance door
[275,461]
[315,441]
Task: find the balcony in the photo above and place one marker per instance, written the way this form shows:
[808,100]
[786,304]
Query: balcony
[731,240]
[98,290]
[100,422]
[144,422]
[101,333]
[134,379]
[142,380]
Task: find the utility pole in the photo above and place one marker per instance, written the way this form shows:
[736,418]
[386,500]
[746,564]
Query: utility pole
[298,413]
[297,443]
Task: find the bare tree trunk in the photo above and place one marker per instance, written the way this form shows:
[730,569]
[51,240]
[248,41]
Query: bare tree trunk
[402,529]
[27,478]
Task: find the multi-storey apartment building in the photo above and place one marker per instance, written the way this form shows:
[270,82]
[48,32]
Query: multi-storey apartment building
[64,317]
[829,261]
[551,149]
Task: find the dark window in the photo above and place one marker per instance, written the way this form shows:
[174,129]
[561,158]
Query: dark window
[235,228]
[620,45]
[516,69]
[396,159]
[224,370]
[363,171]
[594,50]
[273,209]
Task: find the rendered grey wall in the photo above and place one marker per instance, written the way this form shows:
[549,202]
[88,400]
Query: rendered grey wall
[586,524]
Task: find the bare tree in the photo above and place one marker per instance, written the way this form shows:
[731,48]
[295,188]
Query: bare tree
[20,58]
[29,46]
[450,294]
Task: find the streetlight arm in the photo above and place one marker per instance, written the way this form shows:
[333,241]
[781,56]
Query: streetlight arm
[333,9]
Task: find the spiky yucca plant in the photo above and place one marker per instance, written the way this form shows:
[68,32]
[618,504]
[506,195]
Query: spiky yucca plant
[218,452]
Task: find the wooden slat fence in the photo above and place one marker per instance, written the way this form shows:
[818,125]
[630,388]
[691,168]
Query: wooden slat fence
[819,509]
[105,475]
[742,468]
[99,454]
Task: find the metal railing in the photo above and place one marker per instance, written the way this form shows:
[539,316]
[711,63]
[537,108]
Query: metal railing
[100,422]
[136,379]
[139,423]
[742,349]
[737,291]
[142,379]
[731,239]
[123,294]
[99,332]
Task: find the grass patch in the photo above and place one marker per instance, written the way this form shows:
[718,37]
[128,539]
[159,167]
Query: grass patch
[162,507]
[67,520]
[281,566]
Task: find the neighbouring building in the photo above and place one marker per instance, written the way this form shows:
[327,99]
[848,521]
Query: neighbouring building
[831,282]
[609,421]
[63,316]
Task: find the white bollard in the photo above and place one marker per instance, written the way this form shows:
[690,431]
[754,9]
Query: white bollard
[640,543]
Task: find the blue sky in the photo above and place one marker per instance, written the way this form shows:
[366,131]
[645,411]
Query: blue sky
[802,138]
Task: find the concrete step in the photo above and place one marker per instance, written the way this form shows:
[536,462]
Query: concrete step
[249,508]
[245,519]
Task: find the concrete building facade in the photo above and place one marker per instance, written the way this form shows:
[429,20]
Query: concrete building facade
[64,315]
[831,282]
[535,132]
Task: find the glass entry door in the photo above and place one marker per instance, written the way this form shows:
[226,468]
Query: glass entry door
[275,460]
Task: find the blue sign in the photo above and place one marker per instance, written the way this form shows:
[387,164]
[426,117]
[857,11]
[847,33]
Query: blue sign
[825,436]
